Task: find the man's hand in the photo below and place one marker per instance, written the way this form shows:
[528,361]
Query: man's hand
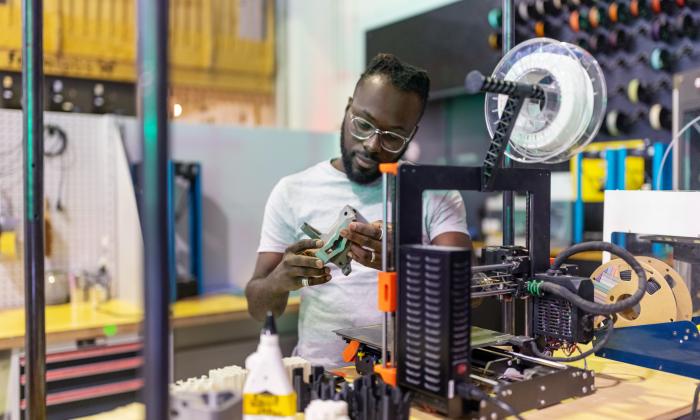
[366,242]
[295,266]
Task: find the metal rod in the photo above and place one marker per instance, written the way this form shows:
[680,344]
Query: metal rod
[503,292]
[483,380]
[153,119]
[508,39]
[385,264]
[493,267]
[528,316]
[537,360]
[33,126]
[508,314]
[392,264]
[507,26]
[507,305]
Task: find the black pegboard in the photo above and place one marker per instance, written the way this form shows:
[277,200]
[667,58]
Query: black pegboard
[621,61]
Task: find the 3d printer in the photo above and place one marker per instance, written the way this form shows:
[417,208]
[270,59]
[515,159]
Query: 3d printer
[544,102]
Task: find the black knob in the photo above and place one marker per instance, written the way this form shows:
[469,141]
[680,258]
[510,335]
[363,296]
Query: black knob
[548,7]
[639,8]
[578,20]
[619,12]
[619,39]
[638,91]
[661,59]
[598,43]
[660,117]
[661,30]
[686,25]
[495,40]
[617,123]
[598,17]
[661,6]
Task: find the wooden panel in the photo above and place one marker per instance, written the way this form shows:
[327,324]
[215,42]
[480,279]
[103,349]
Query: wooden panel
[97,40]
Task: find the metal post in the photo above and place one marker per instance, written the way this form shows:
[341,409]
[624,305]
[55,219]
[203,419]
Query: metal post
[508,305]
[579,210]
[153,119]
[33,125]
[385,263]
[508,314]
[508,38]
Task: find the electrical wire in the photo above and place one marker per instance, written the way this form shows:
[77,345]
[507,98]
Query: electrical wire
[596,346]
[671,145]
[56,145]
[55,148]
[471,391]
[595,307]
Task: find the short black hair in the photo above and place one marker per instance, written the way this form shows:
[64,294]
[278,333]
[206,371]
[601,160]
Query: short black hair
[403,76]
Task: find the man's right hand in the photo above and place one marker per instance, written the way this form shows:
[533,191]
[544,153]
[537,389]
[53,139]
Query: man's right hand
[288,274]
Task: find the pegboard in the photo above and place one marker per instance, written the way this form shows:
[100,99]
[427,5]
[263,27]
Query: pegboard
[623,36]
[80,192]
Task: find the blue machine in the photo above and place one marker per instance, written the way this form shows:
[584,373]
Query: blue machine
[670,347]
[185,228]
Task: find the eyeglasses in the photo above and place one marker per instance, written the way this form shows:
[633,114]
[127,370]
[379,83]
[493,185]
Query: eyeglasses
[363,130]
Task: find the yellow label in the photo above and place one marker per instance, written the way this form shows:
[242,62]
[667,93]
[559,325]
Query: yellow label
[270,405]
[8,244]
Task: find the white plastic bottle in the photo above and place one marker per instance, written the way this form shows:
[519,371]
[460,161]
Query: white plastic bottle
[268,393]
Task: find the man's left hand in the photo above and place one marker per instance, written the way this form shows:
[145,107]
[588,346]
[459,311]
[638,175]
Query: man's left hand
[366,242]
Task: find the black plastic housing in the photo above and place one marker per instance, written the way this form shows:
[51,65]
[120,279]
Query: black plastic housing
[434,331]
[555,317]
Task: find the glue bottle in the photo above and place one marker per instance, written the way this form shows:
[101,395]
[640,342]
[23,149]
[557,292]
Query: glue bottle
[268,393]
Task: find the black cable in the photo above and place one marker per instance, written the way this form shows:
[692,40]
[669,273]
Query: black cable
[594,307]
[471,391]
[58,149]
[55,131]
[597,346]
[694,412]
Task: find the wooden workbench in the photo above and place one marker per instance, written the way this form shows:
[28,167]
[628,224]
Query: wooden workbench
[80,321]
[624,391]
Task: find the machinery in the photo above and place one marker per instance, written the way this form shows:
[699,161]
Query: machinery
[544,103]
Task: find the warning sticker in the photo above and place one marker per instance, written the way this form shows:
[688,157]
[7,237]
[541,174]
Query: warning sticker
[270,405]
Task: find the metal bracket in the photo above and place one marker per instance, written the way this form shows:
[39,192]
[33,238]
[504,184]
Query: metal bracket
[335,248]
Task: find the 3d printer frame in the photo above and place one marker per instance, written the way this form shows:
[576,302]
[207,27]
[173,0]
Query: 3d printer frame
[553,381]
[413,180]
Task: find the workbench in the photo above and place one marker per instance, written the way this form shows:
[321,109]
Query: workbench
[208,331]
[80,321]
[623,391]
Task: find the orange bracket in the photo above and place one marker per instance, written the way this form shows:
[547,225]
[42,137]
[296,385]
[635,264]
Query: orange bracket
[389,168]
[387,373]
[350,351]
[387,293]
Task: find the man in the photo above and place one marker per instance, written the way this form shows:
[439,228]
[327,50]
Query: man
[380,120]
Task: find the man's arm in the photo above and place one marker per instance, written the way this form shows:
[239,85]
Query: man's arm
[262,294]
[277,274]
[452,239]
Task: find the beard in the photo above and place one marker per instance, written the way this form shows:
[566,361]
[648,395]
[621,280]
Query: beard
[359,175]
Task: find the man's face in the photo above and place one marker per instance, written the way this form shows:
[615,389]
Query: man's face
[387,108]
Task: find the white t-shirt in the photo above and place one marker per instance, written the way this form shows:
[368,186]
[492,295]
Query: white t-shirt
[316,196]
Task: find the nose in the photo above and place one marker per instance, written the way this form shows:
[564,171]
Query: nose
[373,144]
